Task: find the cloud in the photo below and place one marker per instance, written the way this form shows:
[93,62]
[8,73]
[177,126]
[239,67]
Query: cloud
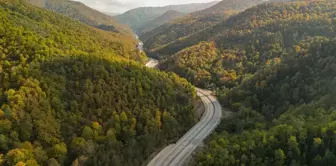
[120,6]
[113,6]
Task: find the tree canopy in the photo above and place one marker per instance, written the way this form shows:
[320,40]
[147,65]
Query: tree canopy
[71,94]
[283,56]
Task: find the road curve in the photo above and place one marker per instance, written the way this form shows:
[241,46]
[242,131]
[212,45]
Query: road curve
[176,154]
[152,63]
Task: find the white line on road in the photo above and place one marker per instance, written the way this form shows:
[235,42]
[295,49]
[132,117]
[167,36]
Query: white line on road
[177,154]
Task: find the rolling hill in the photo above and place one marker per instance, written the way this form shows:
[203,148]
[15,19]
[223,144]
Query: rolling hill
[177,31]
[274,66]
[139,17]
[164,18]
[71,94]
[285,113]
[248,41]
[83,13]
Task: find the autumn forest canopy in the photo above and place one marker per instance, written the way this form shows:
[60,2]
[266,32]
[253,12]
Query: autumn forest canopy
[73,94]
[274,66]
[74,90]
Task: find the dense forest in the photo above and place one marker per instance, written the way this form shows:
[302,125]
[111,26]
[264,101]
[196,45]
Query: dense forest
[140,19]
[62,35]
[71,94]
[274,66]
[204,66]
[247,41]
[177,30]
[286,114]
[78,11]
[164,18]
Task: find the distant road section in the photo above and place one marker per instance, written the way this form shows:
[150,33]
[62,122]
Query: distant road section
[177,154]
[152,63]
[140,43]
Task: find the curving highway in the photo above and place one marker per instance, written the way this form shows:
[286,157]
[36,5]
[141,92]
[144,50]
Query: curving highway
[152,63]
[177,154]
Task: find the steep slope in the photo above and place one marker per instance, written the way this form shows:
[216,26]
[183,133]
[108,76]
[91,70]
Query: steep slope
[68,96]
[284,103]
[286,114]
[164,18]
[193,23]
[71,37]
[81,12]
[139,17]
[178,29]
[252,39]
[196,26]
[194,63]
[234,5]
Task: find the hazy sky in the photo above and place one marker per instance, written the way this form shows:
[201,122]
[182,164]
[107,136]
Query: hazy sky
[120,6]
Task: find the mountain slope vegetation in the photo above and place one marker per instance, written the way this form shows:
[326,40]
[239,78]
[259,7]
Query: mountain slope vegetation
[254,38]
[177,29]
[191,24]
[68,96]
[274,66]
[286,113]
[139,17]
[164,18]
[79,11]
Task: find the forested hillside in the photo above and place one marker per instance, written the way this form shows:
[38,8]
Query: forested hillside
[63,35]
[190,25]
[193,64]
[274,65]
[252,39]
[68,96]
[286,113]
[138,18]
[164,18]
[79,11]
[178,29]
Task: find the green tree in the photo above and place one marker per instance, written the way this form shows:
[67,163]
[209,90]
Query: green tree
[293,147]
[87,133]
[17,155]
[2,161]
[279,157]
[59,150]
[53,162]
[78,145]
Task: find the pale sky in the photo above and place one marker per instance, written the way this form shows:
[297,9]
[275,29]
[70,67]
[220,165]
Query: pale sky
[120,6]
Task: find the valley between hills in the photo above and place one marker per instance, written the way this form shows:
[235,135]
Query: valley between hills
[78,87]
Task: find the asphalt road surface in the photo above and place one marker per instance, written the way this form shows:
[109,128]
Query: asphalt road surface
[177,154]
[140,44]
[152,63]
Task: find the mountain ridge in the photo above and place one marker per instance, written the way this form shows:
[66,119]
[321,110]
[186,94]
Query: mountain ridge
[162,19]
[194,23]
[138,17]
[72,94]
[155,42]
[79,11]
